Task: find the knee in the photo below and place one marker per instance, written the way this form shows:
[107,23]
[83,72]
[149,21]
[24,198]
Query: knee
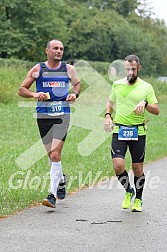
[118,170]
[137,169]
[118,165]
[55,156]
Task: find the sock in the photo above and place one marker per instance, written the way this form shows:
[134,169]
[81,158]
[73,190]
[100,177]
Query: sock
[124,180]
[139,185]
[56,176]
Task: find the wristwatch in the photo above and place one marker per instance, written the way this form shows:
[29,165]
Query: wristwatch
[77,95]
[146,103]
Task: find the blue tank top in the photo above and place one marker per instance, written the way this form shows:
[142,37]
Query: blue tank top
[56,84]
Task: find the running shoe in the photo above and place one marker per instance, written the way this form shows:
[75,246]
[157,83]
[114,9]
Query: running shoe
[127,202]
[61,191]
[49,201]
[137,206]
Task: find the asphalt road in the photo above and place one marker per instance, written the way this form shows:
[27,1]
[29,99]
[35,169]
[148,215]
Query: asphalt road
[92,220]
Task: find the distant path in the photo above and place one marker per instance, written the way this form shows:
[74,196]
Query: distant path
[93,221]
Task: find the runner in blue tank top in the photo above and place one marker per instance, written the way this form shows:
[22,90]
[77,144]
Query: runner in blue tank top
[53,111]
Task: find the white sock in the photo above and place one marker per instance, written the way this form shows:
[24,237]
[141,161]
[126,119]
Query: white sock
[56,176]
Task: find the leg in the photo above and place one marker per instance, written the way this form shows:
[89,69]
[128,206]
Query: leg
[121,173]
[118,152]
[54,153]
[139,179]
[137,169]
[56,150]
[53,132]
[137,150]
[118,165]
[56,175]
[59,136]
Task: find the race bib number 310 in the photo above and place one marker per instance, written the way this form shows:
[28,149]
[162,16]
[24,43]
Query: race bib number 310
[55,108]
[128,133]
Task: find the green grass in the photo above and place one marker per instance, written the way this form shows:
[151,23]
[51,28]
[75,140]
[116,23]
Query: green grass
[20,188]
[27,187]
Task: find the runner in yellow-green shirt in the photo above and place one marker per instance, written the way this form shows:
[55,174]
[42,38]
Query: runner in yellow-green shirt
[130,97]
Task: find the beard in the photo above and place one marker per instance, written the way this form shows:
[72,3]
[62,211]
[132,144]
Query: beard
[131,79]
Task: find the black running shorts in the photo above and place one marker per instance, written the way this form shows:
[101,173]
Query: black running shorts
[53,127]
[136,148]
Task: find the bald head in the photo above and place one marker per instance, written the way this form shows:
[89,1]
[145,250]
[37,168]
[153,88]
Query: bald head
[54,50]
[53,41]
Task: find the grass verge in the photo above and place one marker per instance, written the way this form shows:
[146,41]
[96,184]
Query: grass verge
[20,188]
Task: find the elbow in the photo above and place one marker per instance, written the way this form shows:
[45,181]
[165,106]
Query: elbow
[157,112]
[19,92]
[156,109]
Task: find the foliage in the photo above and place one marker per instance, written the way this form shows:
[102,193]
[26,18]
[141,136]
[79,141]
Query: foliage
[12,73]
[95,30]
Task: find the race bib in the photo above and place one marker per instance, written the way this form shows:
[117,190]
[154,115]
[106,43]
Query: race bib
[55,108]
[128,133]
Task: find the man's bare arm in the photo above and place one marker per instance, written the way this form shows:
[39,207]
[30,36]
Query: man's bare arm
[24,89]
[75,81]
[108,118]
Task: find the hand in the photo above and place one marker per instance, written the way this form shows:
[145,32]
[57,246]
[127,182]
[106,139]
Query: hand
[140,108]
[41,96]
[71,98]
[108,124]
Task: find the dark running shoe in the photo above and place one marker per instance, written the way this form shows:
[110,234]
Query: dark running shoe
[49,201]
[61,191]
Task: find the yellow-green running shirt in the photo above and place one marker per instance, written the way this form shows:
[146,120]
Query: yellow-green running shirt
[126,98]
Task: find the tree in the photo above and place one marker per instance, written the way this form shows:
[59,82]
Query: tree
[99,30]
[27,26]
